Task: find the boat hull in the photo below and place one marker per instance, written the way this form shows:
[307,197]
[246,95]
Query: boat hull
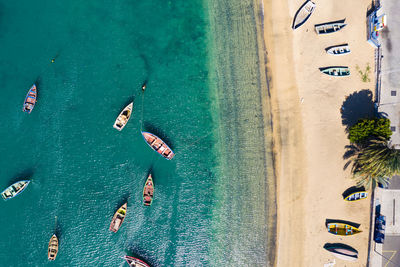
[357,196]
[342,249]
[135,262]
[148,191]
[30,100]
[14,190]
[118,218]
[338,50]
[339,71]
[330,27]
[123,117]
[342,229]
[158,145]
[303,14]
[53,248]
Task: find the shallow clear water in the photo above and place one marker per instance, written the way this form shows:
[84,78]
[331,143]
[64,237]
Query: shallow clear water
[82,169]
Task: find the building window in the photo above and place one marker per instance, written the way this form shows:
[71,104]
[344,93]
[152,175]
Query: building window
[393,93]
[393,128]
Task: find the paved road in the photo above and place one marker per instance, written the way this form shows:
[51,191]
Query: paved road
[391,252]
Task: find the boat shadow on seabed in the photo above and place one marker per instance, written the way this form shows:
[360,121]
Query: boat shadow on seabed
[26,174]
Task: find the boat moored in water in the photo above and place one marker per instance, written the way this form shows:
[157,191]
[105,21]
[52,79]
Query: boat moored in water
[53,248]
[303,14]
[148,191]
[330,27]
[135,262]
[342,229]
[30,99]
[342,251]
[338,71]
[338,50]
[15,189]
[118,218]
[158,145]
[356,196]
[123,117]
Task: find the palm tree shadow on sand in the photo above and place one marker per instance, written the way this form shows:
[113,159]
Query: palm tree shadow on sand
[358,105]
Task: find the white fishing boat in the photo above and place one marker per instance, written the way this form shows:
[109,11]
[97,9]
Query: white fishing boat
[330,27]
[15,189]
[303,14]
[342,251]
[338,71]
[338,50]
[123,117]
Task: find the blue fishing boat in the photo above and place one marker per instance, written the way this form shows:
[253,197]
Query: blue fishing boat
[15,189]
[30,99]
[158,145]
[356,196]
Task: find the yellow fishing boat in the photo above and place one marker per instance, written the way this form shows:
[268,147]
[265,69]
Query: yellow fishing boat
[53,248]
[342,229]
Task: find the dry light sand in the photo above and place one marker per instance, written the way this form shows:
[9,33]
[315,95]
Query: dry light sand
[309,135]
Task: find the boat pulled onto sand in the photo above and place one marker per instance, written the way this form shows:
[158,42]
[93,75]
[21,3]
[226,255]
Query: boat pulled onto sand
[338,228]
[303,14]
[338,50]
[342,251]
[330,27]
[337,71]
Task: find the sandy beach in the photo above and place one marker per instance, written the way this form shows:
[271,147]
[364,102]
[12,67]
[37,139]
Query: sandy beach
[310,130]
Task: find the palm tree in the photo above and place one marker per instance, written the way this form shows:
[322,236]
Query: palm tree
[375,163]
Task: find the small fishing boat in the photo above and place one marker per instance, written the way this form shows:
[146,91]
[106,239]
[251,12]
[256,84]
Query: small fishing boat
[118,218]
[135,262]
[303,14]
[144,85]
[356,196]
[158,145]
[342,251]
[15,189]
[330,27]
[148,191]
[338,50]
[53,248]
[342,229]
[338,71]
[123,117]
[30,99]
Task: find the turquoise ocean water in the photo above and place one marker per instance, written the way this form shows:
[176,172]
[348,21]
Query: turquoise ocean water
[200,60]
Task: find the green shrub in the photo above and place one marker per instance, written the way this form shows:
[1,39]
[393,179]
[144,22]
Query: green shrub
[366,129]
